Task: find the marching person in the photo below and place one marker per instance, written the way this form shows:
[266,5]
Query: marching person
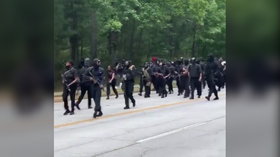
[85,86]
[163,75]
[128,87]
[147,79]
[169,81]
[70,81]
[195,74]
[94,75]
[185,79]
[111,82]
[210,71]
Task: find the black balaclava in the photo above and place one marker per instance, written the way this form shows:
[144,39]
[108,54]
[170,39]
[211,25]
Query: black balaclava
[210,58]
[198,61]
[186,62]
[168,64]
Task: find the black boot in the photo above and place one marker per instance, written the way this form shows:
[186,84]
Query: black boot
[72,113]
[207,98]
[89,107]
[95,114]
[198,96]
[66,112]
[100,114]
[134,104]
[217,98]
[191,97]
[126,107]
[78,106]
[107,98]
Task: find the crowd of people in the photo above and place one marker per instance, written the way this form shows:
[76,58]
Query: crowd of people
[189,74]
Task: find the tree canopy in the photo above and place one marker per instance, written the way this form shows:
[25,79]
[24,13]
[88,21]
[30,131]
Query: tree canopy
[138,29]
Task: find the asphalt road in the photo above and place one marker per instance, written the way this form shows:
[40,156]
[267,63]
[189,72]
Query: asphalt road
[169,127]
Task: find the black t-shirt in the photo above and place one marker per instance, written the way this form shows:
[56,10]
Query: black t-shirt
[194,70]
[70,75]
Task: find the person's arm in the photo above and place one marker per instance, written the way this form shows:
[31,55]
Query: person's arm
[113,76]
[100,78]
[76,76]
[200,73]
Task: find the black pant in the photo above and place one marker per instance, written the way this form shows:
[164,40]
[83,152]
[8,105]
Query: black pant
[72,93]
[141,84]
[147,89]
[169,84]
[85,88]
[179,85]
[162,84]
[203,82]
[128,93]
[185,85]
[113,85]
[96,95]
[212,87]
[195,84]
[154,81]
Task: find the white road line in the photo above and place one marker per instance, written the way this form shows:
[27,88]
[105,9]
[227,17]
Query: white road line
[170,132]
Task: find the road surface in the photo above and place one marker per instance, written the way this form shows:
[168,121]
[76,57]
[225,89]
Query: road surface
[169,127]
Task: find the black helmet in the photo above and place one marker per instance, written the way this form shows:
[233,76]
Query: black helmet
[87,62]
[96,62]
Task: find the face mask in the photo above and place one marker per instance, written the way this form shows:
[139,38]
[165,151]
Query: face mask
[68,67]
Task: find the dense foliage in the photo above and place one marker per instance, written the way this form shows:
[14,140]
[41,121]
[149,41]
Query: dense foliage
[138,29]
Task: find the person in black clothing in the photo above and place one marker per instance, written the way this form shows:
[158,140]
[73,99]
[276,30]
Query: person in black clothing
[171,70]
[111,82]
[147,73]
[195,74]
[224,70]
[141,84]
[70,80]
[94,75]
[210,71]
[202,65]
[85,86]
[154,67]
[128,86]
[220,75]
[163,75]
[178,77]
[185,79]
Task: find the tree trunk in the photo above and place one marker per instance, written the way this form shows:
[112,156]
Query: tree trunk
[82,47]
[194,42]
[74,40]
[139,41]
[94,31]
[131,54]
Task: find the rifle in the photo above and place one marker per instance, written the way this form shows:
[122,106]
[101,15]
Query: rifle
[65,81]
[95,80]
